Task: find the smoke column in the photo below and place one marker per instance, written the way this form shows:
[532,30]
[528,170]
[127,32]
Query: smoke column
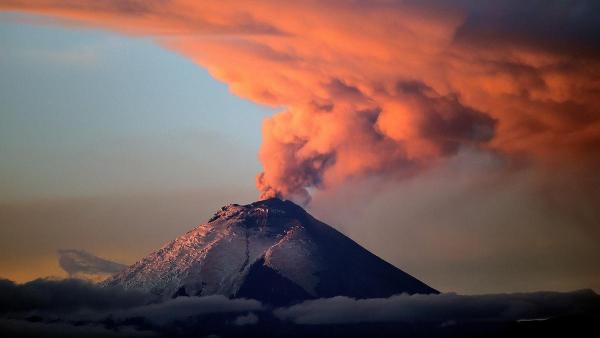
[384,88]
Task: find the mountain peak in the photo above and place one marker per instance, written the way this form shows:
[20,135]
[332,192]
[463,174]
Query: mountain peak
[271,250]
[259,212]
[275,203]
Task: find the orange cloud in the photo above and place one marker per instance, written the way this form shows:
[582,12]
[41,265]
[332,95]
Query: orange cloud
[383,87]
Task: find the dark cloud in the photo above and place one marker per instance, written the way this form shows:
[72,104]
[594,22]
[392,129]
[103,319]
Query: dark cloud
[442,308]
[82,264]
[563,27]
[65,296]
[29,328]
[74,308]
[248,319]
[184,307]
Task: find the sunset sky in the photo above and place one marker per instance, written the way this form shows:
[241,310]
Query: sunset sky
[457,140]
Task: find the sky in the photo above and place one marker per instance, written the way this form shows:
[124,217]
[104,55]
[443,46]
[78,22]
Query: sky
[96,130]
[457,140]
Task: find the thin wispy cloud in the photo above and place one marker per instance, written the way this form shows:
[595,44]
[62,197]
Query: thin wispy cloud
[84,265]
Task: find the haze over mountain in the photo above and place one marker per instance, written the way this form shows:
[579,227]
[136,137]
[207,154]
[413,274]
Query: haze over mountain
[81,264]
[270,250]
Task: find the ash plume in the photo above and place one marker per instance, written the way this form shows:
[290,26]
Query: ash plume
[385,88]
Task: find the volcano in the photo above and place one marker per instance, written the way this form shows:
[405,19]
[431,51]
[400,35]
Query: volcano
[271,250]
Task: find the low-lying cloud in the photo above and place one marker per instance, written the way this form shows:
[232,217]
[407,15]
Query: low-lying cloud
[181,308]
[76,307]
[441,308]
[65,296]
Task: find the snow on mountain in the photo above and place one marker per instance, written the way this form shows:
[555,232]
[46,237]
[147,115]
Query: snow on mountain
[270,250]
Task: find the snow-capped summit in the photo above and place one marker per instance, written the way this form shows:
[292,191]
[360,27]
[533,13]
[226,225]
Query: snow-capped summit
[270,250]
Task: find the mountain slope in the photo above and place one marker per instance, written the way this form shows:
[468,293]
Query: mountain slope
[270,250]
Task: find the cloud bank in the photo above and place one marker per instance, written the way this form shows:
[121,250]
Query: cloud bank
[74,308]
[385,88]
[64,296]
[441,308]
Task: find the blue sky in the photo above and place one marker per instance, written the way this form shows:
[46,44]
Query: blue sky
[87,112]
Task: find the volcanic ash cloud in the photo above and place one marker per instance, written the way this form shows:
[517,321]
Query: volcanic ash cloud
[385,88]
